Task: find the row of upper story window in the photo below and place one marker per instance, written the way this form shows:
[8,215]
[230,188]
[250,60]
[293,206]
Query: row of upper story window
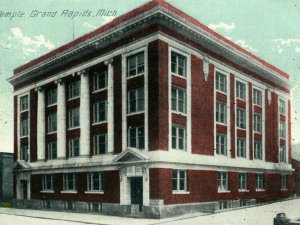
[241,148]
[180,181]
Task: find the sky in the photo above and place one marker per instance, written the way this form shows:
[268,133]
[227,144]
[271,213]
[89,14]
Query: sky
[267,28]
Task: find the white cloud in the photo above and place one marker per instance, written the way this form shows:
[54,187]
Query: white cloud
[30,45]
[244,45]
[107,19]
[222,26]
[297,49]
[88,25]
[283,43]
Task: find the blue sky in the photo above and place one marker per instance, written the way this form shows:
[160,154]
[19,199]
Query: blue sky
[267,28]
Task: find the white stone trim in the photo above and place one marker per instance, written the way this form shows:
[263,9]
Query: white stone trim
[19,124]
[61,120]
[110,106]
[280,97]
[41,126]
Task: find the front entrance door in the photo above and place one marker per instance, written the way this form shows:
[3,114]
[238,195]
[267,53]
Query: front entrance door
[136,184]
[24,189]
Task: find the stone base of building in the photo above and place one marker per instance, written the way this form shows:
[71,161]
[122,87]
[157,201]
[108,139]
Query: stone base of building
[155,210]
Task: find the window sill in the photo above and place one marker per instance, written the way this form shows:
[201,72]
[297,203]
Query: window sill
[243,190]
[74,128]
[26,110]
[135,113]
[179,150]
[284,189]
[68,192]
[220,191]
[241,99]
[134,76]
[180,192]
[52,132]
[221,92]
[221,123]
[73,98]
[54,104]
[99,123]
[99,90]
[94,192]
[260,190]
[257,105]
[47,191]
[178,75]
[179,113]
[240,128]
[221,155]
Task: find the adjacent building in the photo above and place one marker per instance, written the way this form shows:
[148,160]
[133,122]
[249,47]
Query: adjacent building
[6,176]
[153,113]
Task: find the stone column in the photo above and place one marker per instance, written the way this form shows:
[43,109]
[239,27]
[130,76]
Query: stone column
[84,114]
[41,126]
[61,120]
[110,106]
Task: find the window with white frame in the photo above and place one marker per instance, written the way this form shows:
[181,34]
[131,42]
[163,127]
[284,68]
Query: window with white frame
[178,100]
[47,182]
[99,111]
[74,117]
[52,150]
[223,181]
[69,182]
[135,64]
[241,147]
[259,178]
[52,96]
[221,82]
[179,181]
[24,127]
[178,137]
[99,80]
[257,97]
[136,137]
[74,89]
[240,90]
[282,130]
[282,107]
[100,144]
[95,182]
[242,181]
[221,144]
[221,112]
[24,153]
[284,182]
[178,64]
[74,146]
[52,122]
[257,120]
[241,118]
[258,150]
[282,154]
[135,100]
[24,103]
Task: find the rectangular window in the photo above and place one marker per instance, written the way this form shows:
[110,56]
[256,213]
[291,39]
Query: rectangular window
[282,154]
[221,112]
[257,120]
[283,182]
[69,182]
[99,111]
[258,150]
[95,182]
[241,118]
[242,181]
[221,142]
[52,150]
[24,103]
[223,181]
[259,178]
[100,144]
[135,100]
[136,137]
[282,131]
[178,64]
[24,127]
[257,97]
[52,122]
[241,147]
[74,89]
[47,182]
[74,118]
[179,181]
[221,82]
[52,96]
[99,80]
[282,107]
[135,64]
[240,90]
[74,147]
[178,100]
[178,138]
[24,153]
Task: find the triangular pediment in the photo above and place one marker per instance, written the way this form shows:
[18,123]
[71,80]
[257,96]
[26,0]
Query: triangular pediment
[131,155]
[20,165]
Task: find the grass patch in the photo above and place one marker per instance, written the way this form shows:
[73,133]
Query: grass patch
[5,204]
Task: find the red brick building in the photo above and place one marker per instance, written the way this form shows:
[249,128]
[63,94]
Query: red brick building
[152,112]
